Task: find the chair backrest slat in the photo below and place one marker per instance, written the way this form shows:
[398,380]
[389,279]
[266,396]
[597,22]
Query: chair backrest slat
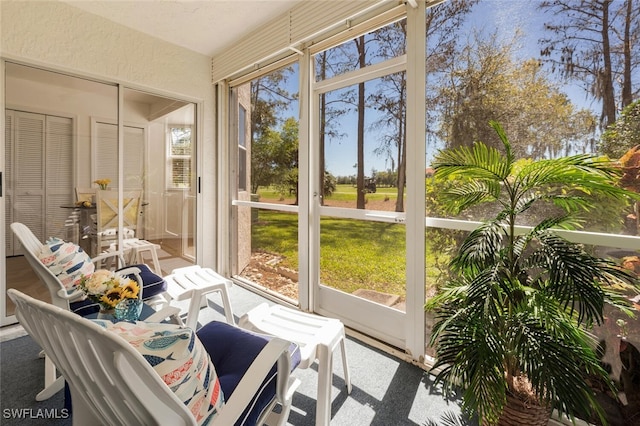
[110,382]
[32,247]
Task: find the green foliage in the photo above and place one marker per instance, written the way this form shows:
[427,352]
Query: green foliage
[487,80]
[624,134]
[519,304]
[330,183]
[274,158]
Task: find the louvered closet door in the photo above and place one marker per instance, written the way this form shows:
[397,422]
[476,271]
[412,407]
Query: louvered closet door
[39,174]
[8,181]
[29,172]
[106,147]
[58,173]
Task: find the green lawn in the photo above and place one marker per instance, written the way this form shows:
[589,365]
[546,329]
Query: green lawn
[343,192]
[354,254]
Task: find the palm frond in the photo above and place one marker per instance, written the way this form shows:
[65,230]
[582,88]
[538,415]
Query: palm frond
[470,193]
[561,222]
[477,162]
[571,203]
[479,248]
[449,418]
[469,352]
[579,172]
[525,202]
[548,345]
[503,137]
[572,275]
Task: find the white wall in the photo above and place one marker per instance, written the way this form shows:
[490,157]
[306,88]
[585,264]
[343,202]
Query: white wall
[60,37]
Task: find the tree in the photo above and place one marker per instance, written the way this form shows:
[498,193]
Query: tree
[622,135]
[362,62]
[391,100]
[330,109]
[512,324]
[387,95]
[344,58]
[273,156]
[443,23]
[268,101]
[594,42]
[286,158]
[263,159]
[622,141]
[487,83]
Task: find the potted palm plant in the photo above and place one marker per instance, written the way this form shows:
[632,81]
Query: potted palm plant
[512,328]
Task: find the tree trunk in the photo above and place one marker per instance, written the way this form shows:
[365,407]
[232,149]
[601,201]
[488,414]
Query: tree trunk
[323,118]
[361,106]
[605,77]
[626,72]
[402,152]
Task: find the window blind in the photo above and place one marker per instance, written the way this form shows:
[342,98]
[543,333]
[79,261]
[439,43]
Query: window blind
[305,24]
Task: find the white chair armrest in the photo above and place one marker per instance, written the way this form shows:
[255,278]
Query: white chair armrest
[71,296]
[118,255]
[163,313]
[275,350]
[129,270]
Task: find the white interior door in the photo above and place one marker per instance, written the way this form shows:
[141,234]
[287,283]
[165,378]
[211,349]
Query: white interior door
[39,173]
[105,145]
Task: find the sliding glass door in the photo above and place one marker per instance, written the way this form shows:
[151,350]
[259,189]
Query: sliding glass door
[64,136]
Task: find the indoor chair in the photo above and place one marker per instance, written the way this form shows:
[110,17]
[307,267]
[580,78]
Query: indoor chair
[111,383]
[107,217]
[106,225]
[85,194]
[152,287]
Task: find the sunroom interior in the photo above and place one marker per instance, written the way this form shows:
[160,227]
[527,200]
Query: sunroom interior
[286,145]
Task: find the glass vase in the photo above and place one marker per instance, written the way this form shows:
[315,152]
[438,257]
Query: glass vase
[128,310]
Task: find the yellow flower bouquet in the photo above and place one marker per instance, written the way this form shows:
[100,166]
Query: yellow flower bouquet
[108,289]
[102,183]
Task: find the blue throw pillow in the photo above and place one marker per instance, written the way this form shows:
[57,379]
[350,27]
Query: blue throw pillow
[232,350]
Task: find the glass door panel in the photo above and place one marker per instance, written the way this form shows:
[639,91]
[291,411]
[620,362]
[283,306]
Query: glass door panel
[263,127]
[61,143]
[159,161]
[362,235]
[364,258]
[47,156]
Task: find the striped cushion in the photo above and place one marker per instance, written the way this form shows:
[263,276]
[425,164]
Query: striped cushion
[180,359]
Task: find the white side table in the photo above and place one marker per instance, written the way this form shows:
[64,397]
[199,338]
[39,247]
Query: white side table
[195,283]
[317,338]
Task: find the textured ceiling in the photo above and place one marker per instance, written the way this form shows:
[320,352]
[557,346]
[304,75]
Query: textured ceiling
[206,27]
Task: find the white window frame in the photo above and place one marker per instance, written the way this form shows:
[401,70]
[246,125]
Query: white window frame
[170,184]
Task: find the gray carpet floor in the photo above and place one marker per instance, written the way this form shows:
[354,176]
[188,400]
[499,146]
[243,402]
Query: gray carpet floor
[386,391]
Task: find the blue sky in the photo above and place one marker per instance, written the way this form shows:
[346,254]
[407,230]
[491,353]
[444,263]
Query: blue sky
[487,16]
